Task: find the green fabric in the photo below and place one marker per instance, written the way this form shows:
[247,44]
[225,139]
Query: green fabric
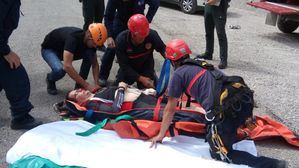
[122,117]
[102,125]
[37,162]
[93,129]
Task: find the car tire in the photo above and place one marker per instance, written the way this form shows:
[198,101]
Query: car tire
[286,26]
[188,6]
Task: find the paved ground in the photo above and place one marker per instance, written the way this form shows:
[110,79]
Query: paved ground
[265,57]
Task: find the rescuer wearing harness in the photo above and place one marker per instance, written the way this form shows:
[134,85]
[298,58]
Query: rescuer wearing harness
[227,100]
[68,44]
[134,52]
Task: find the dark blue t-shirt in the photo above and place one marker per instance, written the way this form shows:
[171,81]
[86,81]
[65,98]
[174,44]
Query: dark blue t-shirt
[202,90]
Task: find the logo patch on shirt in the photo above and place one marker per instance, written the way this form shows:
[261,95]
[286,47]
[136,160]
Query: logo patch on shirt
[129,50]
[148,46]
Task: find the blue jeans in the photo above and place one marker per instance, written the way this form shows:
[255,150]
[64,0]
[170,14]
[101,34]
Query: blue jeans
[107,59]
[15,83]
[51,57]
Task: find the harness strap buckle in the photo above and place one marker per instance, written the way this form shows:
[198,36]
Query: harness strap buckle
[207,117]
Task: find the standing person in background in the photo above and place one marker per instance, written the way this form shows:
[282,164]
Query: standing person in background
[116,18]
[93,12]
[215,16]
[14,79]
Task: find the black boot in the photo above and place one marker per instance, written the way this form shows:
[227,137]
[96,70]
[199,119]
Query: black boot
[205,56]
[51,87]
[24,122]
[222,65]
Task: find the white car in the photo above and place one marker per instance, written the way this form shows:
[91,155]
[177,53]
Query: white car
[188,6]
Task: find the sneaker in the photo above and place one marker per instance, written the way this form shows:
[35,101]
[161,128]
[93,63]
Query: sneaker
[51,87]
[204,56]
[103,82]
[25,122]
[222,65]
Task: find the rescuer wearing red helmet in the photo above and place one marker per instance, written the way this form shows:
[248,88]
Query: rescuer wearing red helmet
[227,100]
[135,53]
[68,44]
[116,17]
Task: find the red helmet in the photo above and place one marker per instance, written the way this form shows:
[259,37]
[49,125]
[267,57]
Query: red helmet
[138,25]
[176,49]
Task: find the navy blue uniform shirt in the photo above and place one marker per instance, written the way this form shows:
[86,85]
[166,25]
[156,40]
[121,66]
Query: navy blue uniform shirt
[124,9]
[136,59]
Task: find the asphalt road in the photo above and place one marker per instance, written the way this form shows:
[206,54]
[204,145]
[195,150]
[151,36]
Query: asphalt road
[265,57]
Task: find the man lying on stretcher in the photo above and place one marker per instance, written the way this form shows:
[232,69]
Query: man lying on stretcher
[111,102]
[111,98]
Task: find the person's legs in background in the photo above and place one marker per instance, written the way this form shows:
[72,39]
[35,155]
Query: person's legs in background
[15,83]
[108,57]
[220,15]
[98,15]
[99,11]
[209,29]
[106,65]
[57,73]
[88,10]
[85,65]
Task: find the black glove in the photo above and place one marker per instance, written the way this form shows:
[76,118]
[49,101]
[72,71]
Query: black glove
[80,0]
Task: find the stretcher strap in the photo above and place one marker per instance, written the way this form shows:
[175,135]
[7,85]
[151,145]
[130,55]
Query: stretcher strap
[102,124]
[157,109]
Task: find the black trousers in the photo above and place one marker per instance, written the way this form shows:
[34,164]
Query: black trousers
[227,130]
[215,16]
[14,82]
[93,12]
[108,57]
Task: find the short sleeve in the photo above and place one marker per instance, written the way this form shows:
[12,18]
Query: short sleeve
[175,87]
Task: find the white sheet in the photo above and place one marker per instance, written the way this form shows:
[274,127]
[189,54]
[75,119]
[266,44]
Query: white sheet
[57,141]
